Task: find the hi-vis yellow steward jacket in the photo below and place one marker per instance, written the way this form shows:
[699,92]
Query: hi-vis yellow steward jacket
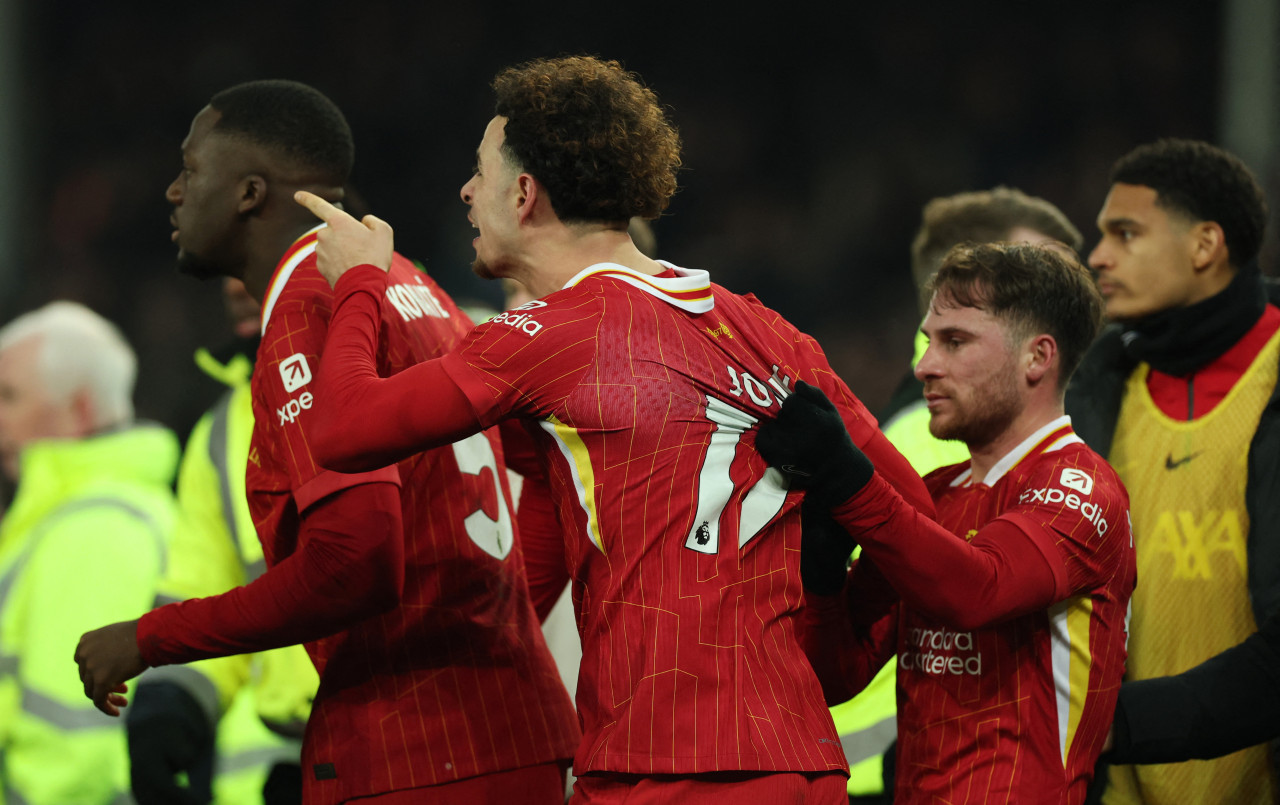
[82,546]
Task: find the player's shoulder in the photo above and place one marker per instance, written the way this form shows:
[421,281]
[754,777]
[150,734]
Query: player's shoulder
[1072,469]
[755,326]
[297,289]
[411,294]
[749,306]
[563,313]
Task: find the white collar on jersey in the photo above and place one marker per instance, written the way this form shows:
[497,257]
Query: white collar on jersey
[1011,458]
[690,290]
[280,278]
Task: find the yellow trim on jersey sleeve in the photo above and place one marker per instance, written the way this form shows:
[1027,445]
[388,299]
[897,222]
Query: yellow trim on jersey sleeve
[584,476]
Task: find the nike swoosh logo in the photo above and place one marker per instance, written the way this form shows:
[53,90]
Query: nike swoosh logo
[1170,464]
[791,469]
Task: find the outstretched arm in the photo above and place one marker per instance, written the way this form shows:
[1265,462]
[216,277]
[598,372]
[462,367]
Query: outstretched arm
[364,421]
[1001,573]
[349,565]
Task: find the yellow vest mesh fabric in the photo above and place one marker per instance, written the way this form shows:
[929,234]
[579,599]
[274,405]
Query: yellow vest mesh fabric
[1186,483]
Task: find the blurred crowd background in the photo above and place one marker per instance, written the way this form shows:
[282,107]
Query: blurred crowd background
[813,135]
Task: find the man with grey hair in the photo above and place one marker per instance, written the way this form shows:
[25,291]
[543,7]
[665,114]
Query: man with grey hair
[93,491]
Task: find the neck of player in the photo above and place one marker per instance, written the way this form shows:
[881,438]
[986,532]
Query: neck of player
[266,244]
[553,260]
[1034,416]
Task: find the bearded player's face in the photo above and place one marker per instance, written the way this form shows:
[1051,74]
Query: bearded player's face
[970,372]
[204,200]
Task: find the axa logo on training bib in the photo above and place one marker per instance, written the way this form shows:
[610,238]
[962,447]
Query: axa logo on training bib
[521,317]
[295,372]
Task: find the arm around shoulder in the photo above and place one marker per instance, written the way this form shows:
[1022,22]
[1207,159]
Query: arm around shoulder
[364,421]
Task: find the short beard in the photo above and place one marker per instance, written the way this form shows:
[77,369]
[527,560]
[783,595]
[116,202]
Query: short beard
[999,408]
[482,270]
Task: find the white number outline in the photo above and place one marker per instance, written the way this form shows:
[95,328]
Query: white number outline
[494,537]
[762,501]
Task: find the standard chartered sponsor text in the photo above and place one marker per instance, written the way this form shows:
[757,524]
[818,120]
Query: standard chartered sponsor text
[941,651]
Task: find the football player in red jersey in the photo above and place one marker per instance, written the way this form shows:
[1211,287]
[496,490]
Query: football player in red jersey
[405,581]
[1010,631]
[641,383]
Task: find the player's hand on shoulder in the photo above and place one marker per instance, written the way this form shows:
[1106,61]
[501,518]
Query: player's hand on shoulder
[345,242]
[808,442]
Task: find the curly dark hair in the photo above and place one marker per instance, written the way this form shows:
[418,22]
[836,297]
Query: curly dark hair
[592,134]
[1036,288]
[1204,183]
[297,121]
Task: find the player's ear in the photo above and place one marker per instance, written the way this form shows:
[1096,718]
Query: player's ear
[1038,357]
[1207,244]
[252,193]
[529,193]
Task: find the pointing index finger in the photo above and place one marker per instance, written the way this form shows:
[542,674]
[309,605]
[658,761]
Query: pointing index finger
[318,206]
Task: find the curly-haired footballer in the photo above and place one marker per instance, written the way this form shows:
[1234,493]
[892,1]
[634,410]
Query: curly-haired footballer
[642,383]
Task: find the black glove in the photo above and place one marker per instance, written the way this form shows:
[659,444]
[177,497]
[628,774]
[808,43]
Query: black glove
[283,785]
[169,734]
[825,548]
[809,443]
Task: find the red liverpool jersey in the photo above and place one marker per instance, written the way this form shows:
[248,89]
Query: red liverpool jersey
[457,680]
[1017,711]
[682,545]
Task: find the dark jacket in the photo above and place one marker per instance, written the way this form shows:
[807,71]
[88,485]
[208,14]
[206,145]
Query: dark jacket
[1194,715]
[1158,727]
[1093,401]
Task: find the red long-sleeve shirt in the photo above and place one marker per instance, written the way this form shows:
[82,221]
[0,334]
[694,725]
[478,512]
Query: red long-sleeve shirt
[407,579]
[1011,629]
[682,545]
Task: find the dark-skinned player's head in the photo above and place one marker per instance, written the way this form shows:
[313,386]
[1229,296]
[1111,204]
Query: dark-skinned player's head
[592,134]
[298,123]
[1201,182]
[247,152]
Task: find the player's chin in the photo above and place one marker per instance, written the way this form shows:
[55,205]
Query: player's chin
[192,266]
[1123,307]
[483,270]
[942,426]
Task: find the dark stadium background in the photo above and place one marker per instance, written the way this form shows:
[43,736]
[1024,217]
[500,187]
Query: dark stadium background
[813,133]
